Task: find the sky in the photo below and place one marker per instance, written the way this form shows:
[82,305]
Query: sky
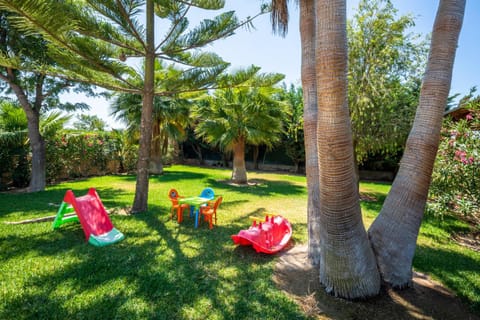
[259,46]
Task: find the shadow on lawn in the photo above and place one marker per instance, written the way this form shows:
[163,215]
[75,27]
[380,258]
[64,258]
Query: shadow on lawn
[260,187]
[161,270]
[461,269]
[47,202]
[173,176]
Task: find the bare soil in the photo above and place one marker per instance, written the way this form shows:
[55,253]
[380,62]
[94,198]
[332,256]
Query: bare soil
[427,299]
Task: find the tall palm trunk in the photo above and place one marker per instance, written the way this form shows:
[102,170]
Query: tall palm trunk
[140,203]
[307,33]
[394,232]
[347,267]
[239,173]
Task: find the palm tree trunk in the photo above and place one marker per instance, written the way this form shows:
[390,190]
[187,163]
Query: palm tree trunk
[348,268]
[239,173]
[394,233]
[140,203]
[307,33]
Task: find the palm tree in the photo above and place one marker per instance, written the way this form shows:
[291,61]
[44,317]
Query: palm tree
[394,233]
[124,148]
[170,119]
[233,118]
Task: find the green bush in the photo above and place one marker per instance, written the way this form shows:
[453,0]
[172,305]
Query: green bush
[83,154]
[456,178]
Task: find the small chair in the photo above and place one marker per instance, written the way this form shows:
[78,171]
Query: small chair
[173,195]
[208,193]
[209,212]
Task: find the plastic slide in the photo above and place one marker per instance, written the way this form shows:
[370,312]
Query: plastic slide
[93,217]
[269,236]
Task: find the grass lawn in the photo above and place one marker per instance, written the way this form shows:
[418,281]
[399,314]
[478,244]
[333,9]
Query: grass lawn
[164,270]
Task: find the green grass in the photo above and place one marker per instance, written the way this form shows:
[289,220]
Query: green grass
[164,270]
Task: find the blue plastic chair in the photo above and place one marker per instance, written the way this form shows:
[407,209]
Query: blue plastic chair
[208,193]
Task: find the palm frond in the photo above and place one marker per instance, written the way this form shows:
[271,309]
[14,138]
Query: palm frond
[16,138]
[279,16]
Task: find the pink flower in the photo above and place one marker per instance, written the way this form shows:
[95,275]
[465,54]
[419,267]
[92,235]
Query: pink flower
[469,117]
[460,156]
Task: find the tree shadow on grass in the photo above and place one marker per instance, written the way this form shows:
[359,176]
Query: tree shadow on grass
[46,203]
[261,187]
[161,270]
[172,176]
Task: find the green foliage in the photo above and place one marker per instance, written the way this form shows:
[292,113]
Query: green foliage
[123,148]
[170,113]
[14,170]
[89,123]
[19,49]
[12,117]
[455,183]
[250,112]
[80,154]
[293,139]
[386,62]
[91,41]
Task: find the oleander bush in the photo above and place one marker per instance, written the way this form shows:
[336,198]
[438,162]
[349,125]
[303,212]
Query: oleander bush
[455,186]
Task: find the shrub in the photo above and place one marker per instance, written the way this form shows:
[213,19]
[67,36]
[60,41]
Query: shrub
[83,154]
[455,183]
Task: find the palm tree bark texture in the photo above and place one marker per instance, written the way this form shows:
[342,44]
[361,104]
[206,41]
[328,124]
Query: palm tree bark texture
[239,173]
[307,33]
[394,233]
[348,267]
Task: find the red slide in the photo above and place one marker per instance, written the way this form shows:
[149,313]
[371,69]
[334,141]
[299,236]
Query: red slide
[96,224]
[269,236]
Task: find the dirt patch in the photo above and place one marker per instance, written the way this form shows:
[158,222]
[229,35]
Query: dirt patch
[427,299]
[367,197]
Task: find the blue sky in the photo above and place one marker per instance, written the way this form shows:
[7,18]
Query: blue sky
[276,54]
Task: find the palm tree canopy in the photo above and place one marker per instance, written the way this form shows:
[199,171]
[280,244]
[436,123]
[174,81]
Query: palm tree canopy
[251,113]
